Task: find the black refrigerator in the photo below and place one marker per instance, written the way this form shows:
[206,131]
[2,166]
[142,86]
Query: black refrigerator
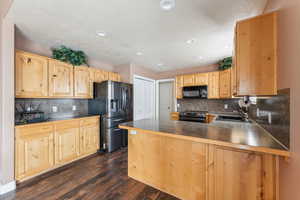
[114,102]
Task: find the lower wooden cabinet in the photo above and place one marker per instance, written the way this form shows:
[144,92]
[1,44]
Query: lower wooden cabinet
[34,150]
[197,171]
[45,146]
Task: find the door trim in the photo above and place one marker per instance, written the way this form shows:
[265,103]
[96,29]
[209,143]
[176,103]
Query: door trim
[157,95]
[135,76]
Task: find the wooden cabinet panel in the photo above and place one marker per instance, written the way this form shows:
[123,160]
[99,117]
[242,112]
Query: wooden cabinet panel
[100,75]
[179,85]
[225,83]
[60,79]
[114,76]
[31,76]
[66,141]
[256,55]
[213,85]
[89,136]
[34,150]
[189,80]
[162,163]
[82,82]
[201,79]
[174,115]
[239,175]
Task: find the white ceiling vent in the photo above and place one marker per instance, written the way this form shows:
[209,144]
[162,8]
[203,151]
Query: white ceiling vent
[167,4]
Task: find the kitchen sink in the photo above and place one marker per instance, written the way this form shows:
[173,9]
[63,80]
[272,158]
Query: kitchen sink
[231,118]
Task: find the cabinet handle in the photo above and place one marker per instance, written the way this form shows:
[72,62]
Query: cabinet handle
[54,76]
[28,60]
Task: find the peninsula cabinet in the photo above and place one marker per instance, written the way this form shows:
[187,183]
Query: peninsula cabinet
[82,82]
[61,82]
[45,146]
[213,85]
[193,170]
[256,56]
[225,83]
[31,76]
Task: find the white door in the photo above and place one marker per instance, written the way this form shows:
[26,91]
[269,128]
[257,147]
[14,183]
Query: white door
[166,99]
[144,98]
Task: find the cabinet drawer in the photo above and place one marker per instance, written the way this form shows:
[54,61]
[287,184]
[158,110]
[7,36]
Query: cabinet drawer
[89,121]
[67,124]
[34,129]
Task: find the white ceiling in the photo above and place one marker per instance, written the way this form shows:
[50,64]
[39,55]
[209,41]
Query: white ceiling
[137,26]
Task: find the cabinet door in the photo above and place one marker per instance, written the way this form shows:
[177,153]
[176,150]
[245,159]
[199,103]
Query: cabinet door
[82,82]
[100,75]
[201,79]
[213,85]
[31,75]
[113,76]
[92,80]
[89,136]
[189,80]
[60,79]
[179,85]
[66,141]
[34,150]
[235,175]
[256,55]
[225,84]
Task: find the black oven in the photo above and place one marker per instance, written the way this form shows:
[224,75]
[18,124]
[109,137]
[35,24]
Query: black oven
[197,92]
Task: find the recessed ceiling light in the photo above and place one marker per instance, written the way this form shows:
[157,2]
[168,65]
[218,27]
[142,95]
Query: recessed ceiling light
[139,53]
[200,57]
[190,41]
[160,64]
[102,34]
[227,47]
[167,4]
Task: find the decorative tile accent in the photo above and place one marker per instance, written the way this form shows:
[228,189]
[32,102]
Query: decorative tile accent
[279,107]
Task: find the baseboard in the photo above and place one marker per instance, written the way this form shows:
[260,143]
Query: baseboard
[7,187]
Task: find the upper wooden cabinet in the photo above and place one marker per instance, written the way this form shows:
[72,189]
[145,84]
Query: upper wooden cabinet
[60,79]
[100,75]
[225,84]
[256,56]
[31,76]
[34,150]
[213,85]
[189,80]
[82,82]
[114,76]
[201,79]
[179,85]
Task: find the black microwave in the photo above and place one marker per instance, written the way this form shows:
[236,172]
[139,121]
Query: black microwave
[196,92]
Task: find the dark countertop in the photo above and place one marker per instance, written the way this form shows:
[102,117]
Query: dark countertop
[236,134]
[54,119]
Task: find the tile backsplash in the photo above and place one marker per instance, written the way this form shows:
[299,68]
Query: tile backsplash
[64,107]
[211,105]
[273,114]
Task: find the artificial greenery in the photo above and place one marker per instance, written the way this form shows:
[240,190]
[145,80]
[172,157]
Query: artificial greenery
[68,55]
[226,63]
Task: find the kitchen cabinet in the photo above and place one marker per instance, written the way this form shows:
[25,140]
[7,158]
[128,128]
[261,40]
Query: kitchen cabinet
[178,86]
[89,135]
[114,76]
[256,56]
[60,79]
[201,79]
[34,150]
[100,75]
[241,174]
[66,141]
[213,85]
[82,82]
[44,146]
[225,83]
[188,80]
[31,75]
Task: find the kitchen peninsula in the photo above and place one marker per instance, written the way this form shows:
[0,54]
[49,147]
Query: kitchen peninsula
[195,161]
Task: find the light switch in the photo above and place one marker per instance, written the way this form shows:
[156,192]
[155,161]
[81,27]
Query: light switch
[225,106]
[74,108]
[133,132]
[54,108]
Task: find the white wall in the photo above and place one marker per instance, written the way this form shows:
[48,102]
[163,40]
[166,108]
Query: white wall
[6,97]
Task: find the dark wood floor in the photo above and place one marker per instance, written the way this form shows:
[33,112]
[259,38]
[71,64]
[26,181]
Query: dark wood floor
[100,177]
